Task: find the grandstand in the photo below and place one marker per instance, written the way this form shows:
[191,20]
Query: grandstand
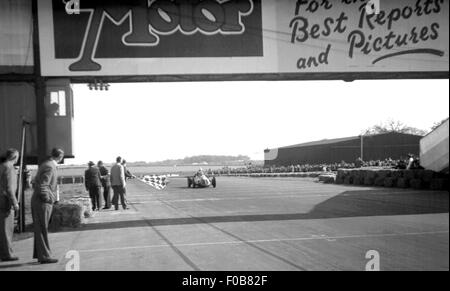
[392,145]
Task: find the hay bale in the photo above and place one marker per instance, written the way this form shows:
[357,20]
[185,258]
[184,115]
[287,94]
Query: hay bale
[356,174]
[427,176]
[396,174]
[369,181]
[409,174]
[66,215]
[348,180]
[419,174]
[416,183]
[357,181]
[371,174]
[358,177]
[402,183]
[379,181]
[341,174]
[384,174]
[438,184]
[361,174]
[85,203]
[327,178]
[339,180]
[390,182]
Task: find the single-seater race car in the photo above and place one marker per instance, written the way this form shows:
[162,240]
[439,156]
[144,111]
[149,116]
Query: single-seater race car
[200,180]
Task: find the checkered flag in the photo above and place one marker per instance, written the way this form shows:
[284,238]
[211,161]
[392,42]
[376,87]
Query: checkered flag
[157,182]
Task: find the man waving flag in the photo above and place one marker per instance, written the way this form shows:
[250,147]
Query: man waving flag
[157,182]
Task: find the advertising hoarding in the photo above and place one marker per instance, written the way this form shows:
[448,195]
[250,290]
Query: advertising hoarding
[201,37]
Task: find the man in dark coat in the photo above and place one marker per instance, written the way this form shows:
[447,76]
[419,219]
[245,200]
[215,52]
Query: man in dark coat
[106,184]
[92,181]
[44,196]
[8,204]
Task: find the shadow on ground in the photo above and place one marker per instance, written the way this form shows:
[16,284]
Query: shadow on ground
[18,265]
[358,203]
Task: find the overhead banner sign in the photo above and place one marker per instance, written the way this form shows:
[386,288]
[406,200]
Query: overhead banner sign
[186,37]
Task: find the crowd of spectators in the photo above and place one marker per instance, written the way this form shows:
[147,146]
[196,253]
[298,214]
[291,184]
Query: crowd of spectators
[410,163]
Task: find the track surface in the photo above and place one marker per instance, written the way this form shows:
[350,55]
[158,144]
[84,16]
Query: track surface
[258,224]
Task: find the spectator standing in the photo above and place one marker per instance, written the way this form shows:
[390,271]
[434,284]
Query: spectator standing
[44,196]
[92,181]
[106,184]
[410,162]
[118,184]
[358,162]
[128,174]
[8,204]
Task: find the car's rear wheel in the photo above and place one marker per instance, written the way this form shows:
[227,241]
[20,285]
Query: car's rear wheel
[189,182]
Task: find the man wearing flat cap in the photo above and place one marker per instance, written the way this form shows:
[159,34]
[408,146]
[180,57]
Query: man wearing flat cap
[93,183]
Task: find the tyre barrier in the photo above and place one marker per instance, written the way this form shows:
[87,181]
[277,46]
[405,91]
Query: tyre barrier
[393,178]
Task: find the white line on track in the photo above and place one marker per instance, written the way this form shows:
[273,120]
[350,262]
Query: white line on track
[311,238]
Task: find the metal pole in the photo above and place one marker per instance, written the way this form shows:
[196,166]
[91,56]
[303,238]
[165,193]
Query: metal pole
[362,147]
[20,188]
[40,90]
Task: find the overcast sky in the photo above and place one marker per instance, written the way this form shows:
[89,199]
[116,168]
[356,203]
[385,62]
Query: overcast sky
[158,121]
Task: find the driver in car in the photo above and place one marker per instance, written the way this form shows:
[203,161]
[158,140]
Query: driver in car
[200,177]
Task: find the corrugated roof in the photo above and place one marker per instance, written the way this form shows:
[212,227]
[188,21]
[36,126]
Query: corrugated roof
[337,140]
[322,142]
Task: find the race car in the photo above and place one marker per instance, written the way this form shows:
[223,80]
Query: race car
[200,180]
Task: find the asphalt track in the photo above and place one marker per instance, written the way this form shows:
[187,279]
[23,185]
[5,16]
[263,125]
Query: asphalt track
[258,224]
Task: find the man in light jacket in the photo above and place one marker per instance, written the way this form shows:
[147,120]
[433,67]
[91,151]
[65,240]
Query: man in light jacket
[118,184]
[44,196]
[8,204]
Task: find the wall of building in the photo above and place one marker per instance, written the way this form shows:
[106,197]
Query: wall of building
[392,145]
[17,101]
[434,149]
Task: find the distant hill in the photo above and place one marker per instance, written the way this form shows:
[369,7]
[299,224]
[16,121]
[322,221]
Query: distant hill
[198,160]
